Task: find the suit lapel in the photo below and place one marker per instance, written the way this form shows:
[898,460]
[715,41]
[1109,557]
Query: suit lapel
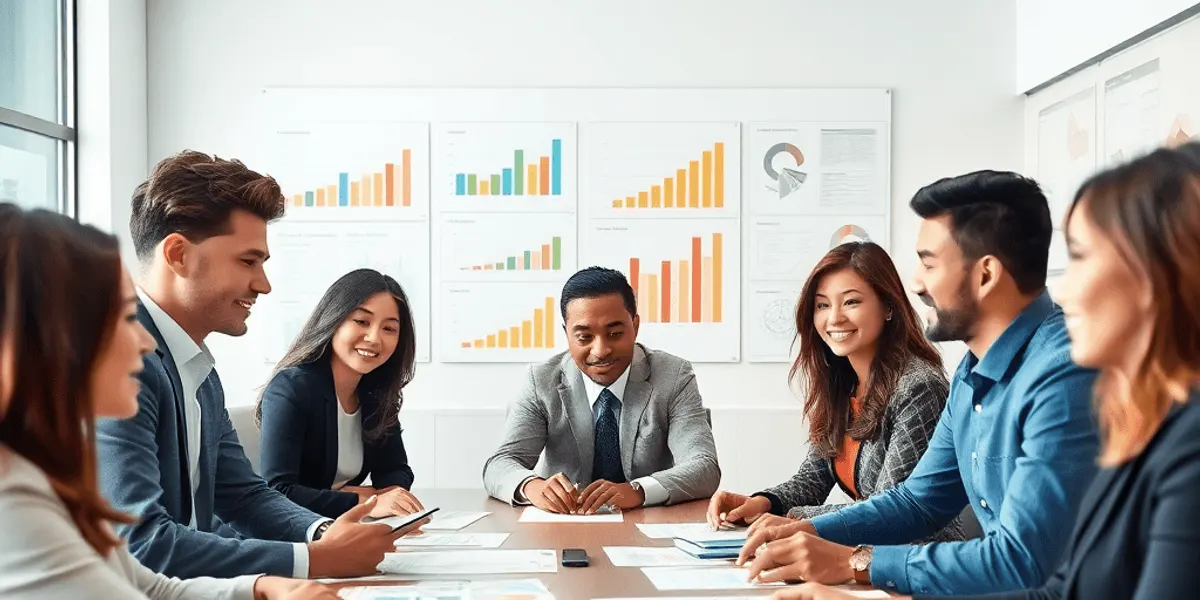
[168,363]
[1107,491]
[329,409]
[573,396]
[638,393]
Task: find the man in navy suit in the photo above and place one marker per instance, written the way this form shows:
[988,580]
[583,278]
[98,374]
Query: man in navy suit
[199,228]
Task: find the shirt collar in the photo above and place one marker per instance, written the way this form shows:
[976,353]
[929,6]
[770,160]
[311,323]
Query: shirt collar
[1005,349]
[617,388]
[181,345]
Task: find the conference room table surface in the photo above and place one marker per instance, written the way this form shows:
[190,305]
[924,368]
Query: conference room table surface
[600,579]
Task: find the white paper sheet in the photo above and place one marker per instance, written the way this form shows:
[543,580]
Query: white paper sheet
[470,562]
[848,592]
[669,579]
[453,520]
[640,556]
[666,531]
[533,514]
[452,590]
[458,540]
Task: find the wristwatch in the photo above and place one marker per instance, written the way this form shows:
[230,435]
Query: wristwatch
[321,529]
[637,487]
[860,563]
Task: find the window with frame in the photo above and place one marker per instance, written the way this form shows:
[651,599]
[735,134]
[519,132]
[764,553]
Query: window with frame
[37,129]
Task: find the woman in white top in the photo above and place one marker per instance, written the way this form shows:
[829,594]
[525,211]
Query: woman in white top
[70,351]
[329,416]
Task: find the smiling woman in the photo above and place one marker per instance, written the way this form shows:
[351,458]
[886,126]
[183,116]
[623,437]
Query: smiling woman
[329,416]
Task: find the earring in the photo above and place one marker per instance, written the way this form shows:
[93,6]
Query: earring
[888,317]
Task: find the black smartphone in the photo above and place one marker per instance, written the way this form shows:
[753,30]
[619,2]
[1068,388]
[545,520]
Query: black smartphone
[574,557]
[403,520]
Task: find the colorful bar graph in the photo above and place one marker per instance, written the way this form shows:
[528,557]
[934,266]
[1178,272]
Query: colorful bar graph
[688,290]
[546,257]
[373,189]
[541,176]
[700,185]
[536,332]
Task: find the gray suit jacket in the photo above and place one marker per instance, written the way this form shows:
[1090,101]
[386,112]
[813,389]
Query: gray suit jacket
[665,432]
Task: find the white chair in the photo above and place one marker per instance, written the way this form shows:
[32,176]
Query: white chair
[243,421]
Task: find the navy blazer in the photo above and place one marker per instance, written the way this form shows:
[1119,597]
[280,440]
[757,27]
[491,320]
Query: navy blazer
[144,472]
[1138,529]
[299,442]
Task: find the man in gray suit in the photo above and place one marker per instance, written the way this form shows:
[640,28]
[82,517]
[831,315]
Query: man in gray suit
[610,413]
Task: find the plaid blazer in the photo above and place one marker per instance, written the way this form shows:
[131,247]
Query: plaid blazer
[886,460]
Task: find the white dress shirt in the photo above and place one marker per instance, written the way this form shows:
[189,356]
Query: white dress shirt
[195,363]
[350,446]
[655,493]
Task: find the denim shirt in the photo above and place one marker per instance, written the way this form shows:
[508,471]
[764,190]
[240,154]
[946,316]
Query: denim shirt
[1018,442]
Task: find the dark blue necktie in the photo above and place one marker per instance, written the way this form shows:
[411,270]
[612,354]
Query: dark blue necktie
[607,461]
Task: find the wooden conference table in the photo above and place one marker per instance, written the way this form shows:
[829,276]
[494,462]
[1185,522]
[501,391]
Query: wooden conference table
[598,580]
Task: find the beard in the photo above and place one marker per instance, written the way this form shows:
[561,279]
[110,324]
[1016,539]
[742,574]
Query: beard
[955,324]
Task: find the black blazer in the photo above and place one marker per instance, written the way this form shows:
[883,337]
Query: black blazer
[1138,531]
[300,442]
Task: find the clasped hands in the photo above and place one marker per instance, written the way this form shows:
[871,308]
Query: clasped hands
[558,495]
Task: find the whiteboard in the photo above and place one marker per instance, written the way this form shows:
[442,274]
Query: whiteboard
[672,129]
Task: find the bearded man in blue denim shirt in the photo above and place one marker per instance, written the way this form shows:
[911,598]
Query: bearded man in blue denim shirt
[1017,440]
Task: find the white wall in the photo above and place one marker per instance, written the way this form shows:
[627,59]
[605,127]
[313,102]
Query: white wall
[1054,36]
[950,64]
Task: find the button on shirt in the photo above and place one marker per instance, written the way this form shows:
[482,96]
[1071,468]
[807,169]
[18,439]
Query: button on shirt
[1017,441]
[655,493]
[195,364]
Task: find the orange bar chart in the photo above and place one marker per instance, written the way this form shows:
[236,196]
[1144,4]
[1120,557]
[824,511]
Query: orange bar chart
[535,332]
[700,184]
[390,186]
[686,290]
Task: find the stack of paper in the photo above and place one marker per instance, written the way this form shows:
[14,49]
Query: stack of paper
[662,531]
[531,589]
[453,540]
[712,544]
[533,514]
[668,579]
[470,562]
[638,556]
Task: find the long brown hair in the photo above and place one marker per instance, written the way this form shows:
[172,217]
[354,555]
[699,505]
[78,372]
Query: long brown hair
[829,379]
[62,286]
[1150,209]
[314,344]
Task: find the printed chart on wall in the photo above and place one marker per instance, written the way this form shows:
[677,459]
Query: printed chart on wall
[1131,113]
[816,168]
[685,274]
[661,170]
[783,251]
[505,167]
[308,257]
[509,322]
[1066,149]
[333,172]
[502,248]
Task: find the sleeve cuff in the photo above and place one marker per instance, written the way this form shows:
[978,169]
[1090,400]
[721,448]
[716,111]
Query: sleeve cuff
[833,527]
[777,507]
[654,491]
[889,568]
[300,561]
[519,498]
[243,587]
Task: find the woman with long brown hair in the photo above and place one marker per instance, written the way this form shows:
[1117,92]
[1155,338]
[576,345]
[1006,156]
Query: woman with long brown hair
[70,352]
[874,391]
[1131,296]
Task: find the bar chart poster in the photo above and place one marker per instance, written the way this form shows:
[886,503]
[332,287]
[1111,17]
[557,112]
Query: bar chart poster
[500,322]
[816,168]
[353,171]
[508,247]
[656,170]
[505,167]
[308,257]
[686,277]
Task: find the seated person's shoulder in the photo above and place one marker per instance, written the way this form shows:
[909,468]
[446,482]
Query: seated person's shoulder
[307,378]
[923,382]
[666,369]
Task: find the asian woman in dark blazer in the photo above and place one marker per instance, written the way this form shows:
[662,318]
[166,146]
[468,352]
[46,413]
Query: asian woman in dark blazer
[1131,296]
[329,416]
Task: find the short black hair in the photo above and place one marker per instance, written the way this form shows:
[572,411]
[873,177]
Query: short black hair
[1000,213]
[594,282]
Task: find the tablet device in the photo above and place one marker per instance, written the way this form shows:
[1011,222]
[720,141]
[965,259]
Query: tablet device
[402,521]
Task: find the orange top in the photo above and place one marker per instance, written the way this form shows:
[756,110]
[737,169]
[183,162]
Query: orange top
[844,464]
